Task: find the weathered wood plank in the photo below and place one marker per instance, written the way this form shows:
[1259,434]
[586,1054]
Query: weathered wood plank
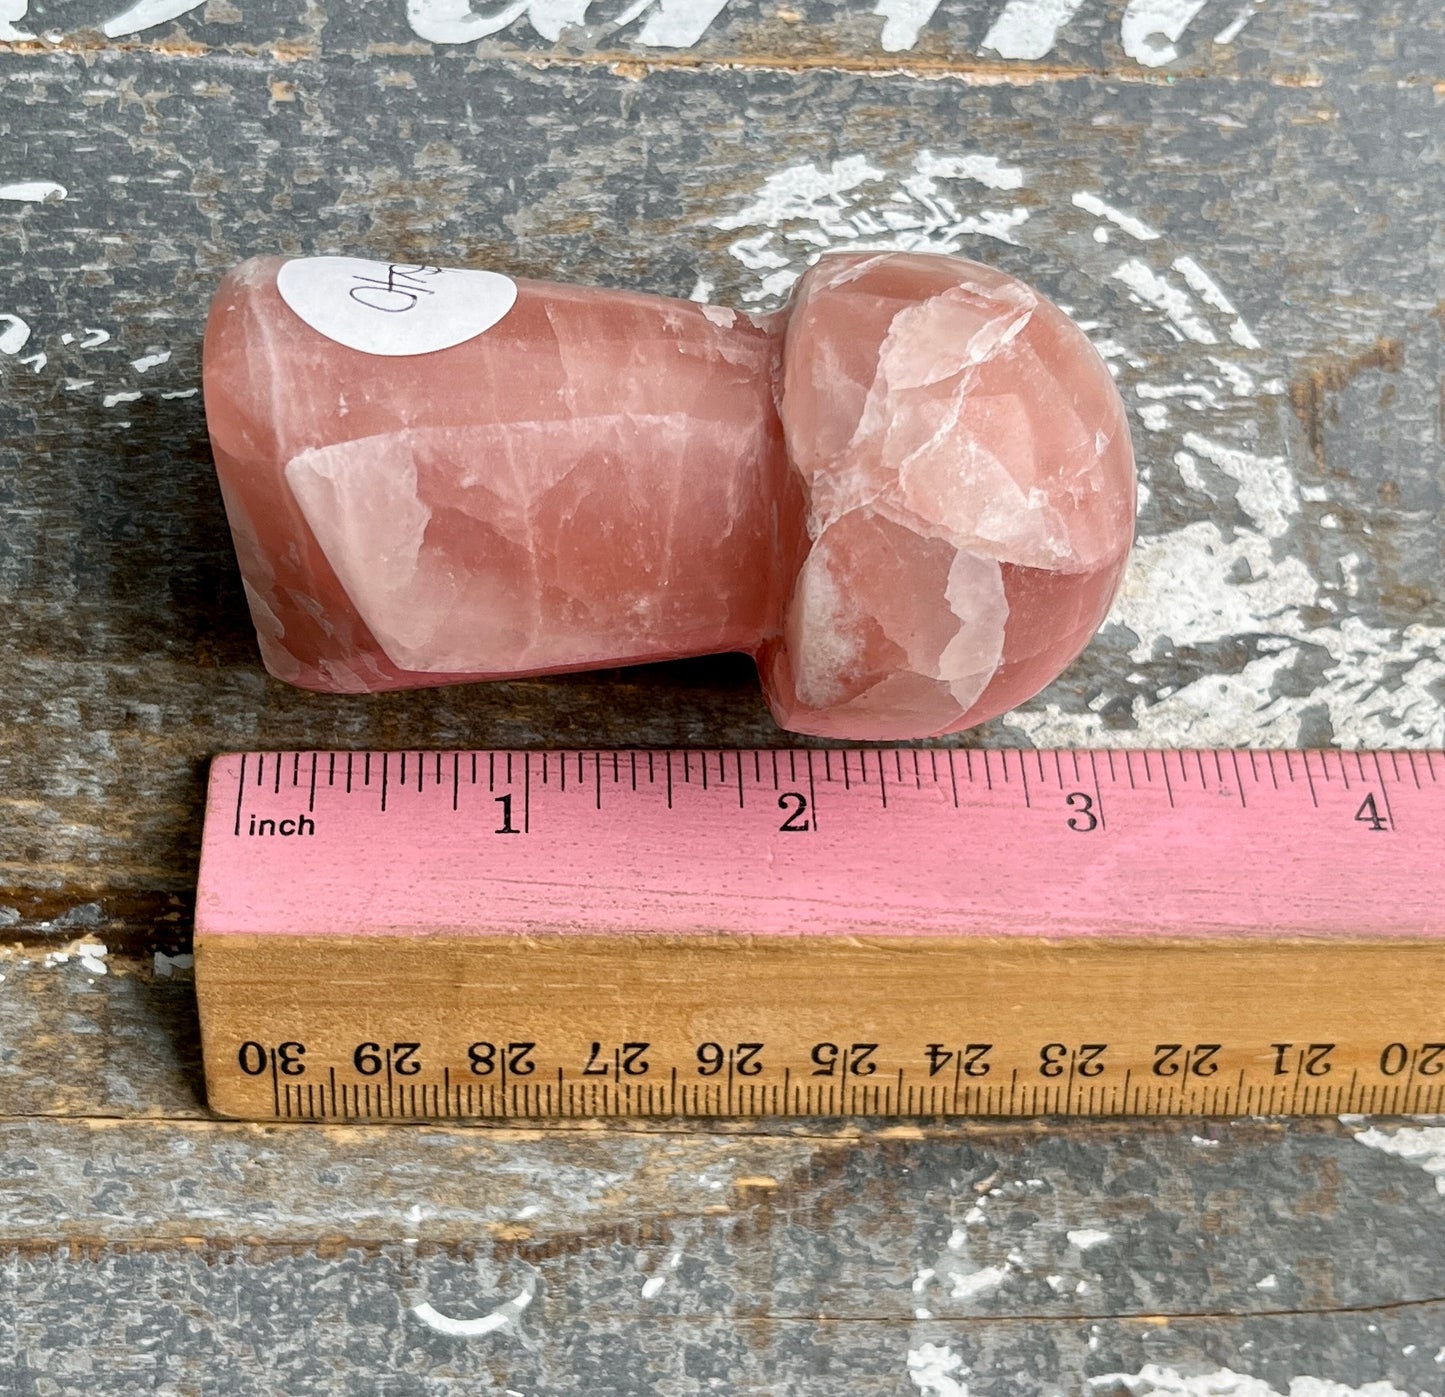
[1286,590]
[161,1253]
[1286,587]
[86,1032]
[1169,1218]
[347,1324]
[228,1256]
[1295,42]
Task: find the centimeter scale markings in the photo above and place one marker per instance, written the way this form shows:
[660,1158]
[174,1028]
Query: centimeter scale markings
[882,932]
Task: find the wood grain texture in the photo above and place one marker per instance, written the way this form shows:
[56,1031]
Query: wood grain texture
[1286,591]
[569,1020]
[132,657]
[670,1262]
[143,1244]
[1293,42]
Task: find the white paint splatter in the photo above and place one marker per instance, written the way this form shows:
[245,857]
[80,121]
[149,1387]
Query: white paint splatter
[1269,1282]
[1154,290]
[14,333]
[654,1284]
[1150,29]
[678,24]
[803,192]
[1267,491]
[114,399]
[1086,1237]
[669,23]
[1028,28]
[981,169]
[1175,588]
[1023,29]
[146,14]
[1230,32]
[1212,294]
[550,17]
[1422,1146]
[1239,380]
[935,1370]
[89,955]
[150,361]
[455,22]
[1134,227]
[968,1285]
[955,1267]
[1197,396]
[180,393]
[903,21]
[94,338]
[503,1317]
[1185,588]
[1155,1380]
[35,191]
[803,210]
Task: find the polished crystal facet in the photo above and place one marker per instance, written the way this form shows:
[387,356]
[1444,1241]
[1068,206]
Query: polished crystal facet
[910,494]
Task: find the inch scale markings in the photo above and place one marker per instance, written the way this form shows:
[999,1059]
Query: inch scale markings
[888,932]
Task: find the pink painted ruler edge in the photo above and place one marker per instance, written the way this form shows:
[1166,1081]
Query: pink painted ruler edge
[807,842]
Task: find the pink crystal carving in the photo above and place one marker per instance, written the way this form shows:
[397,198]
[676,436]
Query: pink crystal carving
[910,494]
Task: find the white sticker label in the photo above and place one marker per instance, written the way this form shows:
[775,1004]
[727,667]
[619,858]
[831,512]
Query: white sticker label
[394,308]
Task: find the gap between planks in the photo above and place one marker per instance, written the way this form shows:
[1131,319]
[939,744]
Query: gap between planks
[967,69]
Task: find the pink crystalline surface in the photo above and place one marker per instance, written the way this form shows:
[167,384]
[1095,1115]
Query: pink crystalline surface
[970,489]
[592,481]
[911,495]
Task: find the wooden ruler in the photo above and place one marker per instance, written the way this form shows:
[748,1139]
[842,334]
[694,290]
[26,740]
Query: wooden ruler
[895,932]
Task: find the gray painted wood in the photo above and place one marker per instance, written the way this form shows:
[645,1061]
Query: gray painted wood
[1287,591]
[1292,42]
[133,657]
[1021,1259]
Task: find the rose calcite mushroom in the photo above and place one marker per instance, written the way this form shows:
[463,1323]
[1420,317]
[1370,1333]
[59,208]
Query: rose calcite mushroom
[910,493]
